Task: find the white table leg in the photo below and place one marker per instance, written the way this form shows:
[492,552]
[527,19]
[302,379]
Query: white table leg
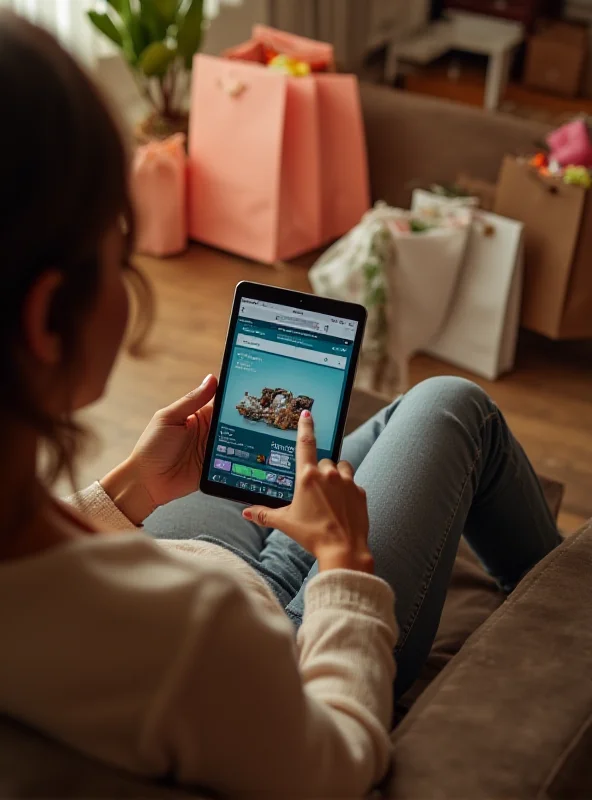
[498,70]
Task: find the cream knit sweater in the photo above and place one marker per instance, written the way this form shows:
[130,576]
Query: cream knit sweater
[167,658]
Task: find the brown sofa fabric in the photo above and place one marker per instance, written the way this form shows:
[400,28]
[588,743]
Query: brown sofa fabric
[413,140]
[510,717]
[573,777]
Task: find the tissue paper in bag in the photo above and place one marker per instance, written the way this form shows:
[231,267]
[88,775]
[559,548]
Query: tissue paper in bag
[404,267]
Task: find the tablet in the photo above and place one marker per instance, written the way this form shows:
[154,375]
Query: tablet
[285,352]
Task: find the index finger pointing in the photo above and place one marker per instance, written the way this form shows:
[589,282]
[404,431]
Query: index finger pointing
[306,443]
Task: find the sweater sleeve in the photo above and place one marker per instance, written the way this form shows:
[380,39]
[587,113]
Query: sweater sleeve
[276,719]
[95,503]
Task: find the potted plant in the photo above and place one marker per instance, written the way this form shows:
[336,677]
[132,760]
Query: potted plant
[158,39]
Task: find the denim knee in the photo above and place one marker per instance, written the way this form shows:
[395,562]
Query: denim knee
[459,397]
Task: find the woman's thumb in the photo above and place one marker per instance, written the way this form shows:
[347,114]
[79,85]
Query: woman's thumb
[177,412]
[261,515]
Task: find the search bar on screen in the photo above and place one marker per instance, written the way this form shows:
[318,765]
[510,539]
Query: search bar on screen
[299,322]
[290,351]
[324,325]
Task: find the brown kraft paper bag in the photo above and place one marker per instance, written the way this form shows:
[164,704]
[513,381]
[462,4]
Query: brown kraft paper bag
[557,296]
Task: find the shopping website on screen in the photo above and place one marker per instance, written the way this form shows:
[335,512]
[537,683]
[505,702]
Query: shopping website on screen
[284,360]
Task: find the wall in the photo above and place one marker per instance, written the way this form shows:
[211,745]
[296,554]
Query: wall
[352,26]
[233,24]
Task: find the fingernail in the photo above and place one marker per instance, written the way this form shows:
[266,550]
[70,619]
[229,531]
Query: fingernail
[206,379]
[247,513]
[305,413]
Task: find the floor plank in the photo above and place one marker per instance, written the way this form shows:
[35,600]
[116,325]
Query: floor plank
[468,86]
[547,400]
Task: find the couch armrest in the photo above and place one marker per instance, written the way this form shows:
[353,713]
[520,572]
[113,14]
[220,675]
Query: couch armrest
[511,713]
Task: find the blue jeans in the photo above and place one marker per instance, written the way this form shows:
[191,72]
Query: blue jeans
[438,462]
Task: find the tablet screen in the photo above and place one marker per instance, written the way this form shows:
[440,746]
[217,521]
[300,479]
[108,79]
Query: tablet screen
[283,360]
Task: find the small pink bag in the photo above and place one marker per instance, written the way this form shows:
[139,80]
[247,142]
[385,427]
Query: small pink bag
[159,194]
[570,144]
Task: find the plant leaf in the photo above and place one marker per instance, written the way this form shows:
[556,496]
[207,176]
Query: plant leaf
[153,22]
[155,59]
[122,8]
[126,8]
[106,26]
[190,32]
[138,38]
[167,9]
[117,5]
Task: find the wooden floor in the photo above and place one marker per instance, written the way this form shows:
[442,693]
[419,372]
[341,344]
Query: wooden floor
[469,88]
[547,400]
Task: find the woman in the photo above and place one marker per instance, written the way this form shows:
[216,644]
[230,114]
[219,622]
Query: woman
[178,657]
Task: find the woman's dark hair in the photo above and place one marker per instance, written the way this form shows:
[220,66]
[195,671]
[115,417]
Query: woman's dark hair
[63,184]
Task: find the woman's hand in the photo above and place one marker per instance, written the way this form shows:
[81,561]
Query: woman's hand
[167,461]
[329,514]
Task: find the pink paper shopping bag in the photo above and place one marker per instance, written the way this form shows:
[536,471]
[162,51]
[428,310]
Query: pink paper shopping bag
[159,193]
[277,164]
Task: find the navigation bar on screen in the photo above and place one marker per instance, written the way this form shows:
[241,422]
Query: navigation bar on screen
[310,321]
[290,351]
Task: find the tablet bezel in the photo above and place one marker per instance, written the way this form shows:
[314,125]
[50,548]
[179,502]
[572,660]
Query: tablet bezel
[287,297]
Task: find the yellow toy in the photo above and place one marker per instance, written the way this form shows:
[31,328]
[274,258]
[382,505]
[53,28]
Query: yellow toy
[289,66]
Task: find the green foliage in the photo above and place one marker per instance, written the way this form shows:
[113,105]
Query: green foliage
[120,6]
[104,23]
[190,31]
[155,36]
[153,24]
[155,59]
[168,9]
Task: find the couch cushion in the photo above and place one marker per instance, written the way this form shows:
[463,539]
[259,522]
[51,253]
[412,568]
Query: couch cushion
[511,715]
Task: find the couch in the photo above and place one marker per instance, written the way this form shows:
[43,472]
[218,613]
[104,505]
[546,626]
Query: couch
[414,140]
[503,708]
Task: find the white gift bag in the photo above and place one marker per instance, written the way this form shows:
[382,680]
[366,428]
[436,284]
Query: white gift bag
[404,268]
[481,332]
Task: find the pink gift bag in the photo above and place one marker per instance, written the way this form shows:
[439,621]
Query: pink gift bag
[277,164]
[159,192]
